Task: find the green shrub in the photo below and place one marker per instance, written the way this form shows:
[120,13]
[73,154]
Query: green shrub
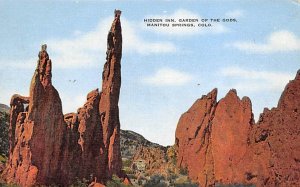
[116,182]
[184,171]
[126,163]
[4,125]
[3,159]
[156,181]
[80,183]
[8,185]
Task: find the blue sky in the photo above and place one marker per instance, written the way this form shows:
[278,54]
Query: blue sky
[161,67]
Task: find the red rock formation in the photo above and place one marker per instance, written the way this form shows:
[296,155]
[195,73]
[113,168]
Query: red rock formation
[219,142]
[154,159]
[109,110]
[275,147]
[97,122]
[17,106]
[95,184]
[36,135]
[49,148]
[90,139]
[193,138]
[231,126]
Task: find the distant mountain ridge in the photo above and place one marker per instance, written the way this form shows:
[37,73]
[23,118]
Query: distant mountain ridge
[4,108]
[130,142]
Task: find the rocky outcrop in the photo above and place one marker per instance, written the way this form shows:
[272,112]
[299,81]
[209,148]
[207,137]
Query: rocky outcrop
[193,137]
[155,161]
[47,147]
[219,142]
[274,142]
[231,126]
[131,141]
[36,131]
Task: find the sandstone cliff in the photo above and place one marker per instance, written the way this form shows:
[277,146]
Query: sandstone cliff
[274,142]
[47,147]
[219,142]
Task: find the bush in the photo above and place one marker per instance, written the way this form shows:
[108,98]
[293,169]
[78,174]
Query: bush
[80,183]
[126,163]
[4,125]
[184,171]
[116,182]
[8,185]
[156,181]
[3,159]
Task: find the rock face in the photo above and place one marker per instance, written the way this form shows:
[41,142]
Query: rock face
[47,147]
[108,107]
[156,160]
[275,141]
[219,142]
[36,131]
[229,138]
[193,137]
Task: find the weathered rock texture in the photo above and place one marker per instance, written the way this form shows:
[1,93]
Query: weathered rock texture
[219,142]
[193,138]
[229,137]
[36,131]
[157,160]
[131,141]
[274,142]
[108,108]
[47,147]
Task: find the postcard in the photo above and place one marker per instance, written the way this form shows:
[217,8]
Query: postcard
[150,93]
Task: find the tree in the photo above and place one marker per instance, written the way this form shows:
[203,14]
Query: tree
[4,124]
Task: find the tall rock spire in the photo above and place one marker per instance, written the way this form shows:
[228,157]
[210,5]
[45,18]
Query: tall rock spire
[109,109]
[36,130]
[47,147]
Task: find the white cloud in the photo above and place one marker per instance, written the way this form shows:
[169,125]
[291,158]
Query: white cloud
[19,64]
[168,77]
[297,2]
[87,49]
[234,13]
[183,14]
[280,41]
[253,81]
[134,43]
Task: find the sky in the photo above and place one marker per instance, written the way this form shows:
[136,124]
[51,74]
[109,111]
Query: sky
[164,70]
